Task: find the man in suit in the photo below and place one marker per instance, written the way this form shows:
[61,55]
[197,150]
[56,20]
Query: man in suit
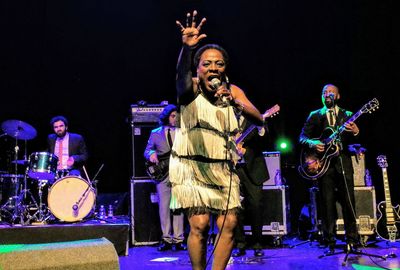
[157,150]
[70,148]
[337,182]
[252,173]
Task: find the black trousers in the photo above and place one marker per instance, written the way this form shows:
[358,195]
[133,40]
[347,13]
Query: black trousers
[335,185]
[253,195]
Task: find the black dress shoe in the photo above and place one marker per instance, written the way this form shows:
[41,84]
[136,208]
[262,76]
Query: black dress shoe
[164,246]
[258,253]
[179,246]
[239,252]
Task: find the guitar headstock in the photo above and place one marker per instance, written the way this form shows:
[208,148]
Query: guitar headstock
[272,111]
[370,106]
[382,162]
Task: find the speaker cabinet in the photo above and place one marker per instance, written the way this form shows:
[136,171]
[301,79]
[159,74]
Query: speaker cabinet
[365,211]
[276,211]
[77,255]
[140,136]
[145,220]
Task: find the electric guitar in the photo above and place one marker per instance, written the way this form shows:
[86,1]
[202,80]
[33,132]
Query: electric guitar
[314,164]
[158,171]
[241,136]
[387,226]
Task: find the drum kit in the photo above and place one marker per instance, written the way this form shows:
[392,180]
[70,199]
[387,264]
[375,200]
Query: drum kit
[23,196]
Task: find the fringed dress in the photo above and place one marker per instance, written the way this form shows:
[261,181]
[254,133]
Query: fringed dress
[201,165]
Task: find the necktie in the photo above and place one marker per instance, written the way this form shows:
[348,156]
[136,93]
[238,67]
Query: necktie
[169,138]
[60,154]
[331,117]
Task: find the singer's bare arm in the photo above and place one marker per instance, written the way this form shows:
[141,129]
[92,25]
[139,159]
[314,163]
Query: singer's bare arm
[190,39]
[240,99]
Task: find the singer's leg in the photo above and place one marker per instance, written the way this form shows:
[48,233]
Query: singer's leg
[197,240]
[224,241]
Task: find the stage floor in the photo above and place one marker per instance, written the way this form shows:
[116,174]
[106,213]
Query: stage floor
[284,257]
[116,230]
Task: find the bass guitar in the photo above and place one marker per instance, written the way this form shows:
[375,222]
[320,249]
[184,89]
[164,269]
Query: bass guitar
[158,171]
[387,226]
[314,164]
[271,112]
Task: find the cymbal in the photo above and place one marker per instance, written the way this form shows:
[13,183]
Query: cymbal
[21,162]
[18,129]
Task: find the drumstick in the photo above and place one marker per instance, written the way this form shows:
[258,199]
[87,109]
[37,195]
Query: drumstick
[84,169]
[101,167]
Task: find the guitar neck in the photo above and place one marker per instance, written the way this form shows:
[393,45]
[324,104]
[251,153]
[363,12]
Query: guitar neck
[388,200]
[351,119]
[245,134]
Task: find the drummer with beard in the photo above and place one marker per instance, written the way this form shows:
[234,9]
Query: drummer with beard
[70,148]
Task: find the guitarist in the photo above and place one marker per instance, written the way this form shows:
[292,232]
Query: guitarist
[159,145]
[252,174]
[337,182]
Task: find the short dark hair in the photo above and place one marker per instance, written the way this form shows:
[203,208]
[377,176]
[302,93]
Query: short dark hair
[59,118]
[164,116]
[208,47]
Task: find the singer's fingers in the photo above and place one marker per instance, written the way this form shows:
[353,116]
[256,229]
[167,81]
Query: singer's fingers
[182,28]
[194,18]
[187,19]
[201,24]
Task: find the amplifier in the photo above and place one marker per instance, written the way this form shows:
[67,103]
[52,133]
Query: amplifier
[276,211]
[365,211]
[146,114]
[273,162]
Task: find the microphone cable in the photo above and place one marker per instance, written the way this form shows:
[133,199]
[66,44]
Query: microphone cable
[230,166]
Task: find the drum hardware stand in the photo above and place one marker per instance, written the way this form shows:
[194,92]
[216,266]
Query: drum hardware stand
[40,215]
[21,208]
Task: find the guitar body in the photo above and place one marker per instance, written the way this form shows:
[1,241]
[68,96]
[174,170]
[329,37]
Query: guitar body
[314,164]
[158,171]
[388,228]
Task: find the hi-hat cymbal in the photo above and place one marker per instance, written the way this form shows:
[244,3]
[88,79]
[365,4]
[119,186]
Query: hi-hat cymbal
[18,129]
[21,162]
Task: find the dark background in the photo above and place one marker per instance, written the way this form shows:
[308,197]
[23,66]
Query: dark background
[90,60]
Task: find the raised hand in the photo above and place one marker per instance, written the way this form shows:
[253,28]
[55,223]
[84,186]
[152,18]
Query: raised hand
[191,33]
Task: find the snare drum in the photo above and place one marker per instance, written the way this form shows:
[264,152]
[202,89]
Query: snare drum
[42,166]
[71,198]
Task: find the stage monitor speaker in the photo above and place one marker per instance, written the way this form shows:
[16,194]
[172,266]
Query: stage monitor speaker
[145,220]
[273,161]
[90,254]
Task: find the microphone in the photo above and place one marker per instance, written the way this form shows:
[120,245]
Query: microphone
[215,84]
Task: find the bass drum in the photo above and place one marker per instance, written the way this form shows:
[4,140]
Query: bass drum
[71,199]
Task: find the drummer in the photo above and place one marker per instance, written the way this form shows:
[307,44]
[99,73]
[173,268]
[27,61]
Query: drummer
[70,148]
